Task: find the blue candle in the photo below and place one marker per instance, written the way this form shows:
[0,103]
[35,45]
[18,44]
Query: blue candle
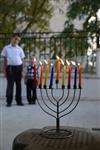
[75,78]
[51,77]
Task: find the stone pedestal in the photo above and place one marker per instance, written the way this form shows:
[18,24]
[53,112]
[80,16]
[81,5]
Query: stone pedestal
[82,139]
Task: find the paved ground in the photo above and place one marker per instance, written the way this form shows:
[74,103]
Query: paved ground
[17,119]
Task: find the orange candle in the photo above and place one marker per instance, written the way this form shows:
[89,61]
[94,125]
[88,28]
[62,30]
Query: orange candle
[41,76]
[80,75]
[58,71]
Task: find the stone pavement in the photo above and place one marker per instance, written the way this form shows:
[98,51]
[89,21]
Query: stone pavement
[17,119]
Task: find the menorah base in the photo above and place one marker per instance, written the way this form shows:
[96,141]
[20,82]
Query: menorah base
[53,133]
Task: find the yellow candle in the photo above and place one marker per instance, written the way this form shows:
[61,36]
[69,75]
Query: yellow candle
[46,75]
[63,75]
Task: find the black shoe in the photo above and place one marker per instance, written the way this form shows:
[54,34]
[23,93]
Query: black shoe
[8,105]
[20,104]
[34,102]
[30,103]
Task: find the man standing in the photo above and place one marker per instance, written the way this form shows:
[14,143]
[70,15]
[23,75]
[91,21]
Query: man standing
[13,67]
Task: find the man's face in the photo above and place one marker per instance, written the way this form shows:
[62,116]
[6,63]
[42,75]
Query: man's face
[15,40]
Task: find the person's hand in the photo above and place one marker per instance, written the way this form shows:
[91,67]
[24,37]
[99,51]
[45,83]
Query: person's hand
[22,75]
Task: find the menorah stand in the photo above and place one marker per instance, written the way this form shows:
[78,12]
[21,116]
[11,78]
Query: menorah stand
[58,132]
[53,133]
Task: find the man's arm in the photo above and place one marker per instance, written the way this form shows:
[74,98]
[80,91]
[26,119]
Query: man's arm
[5,67]
[22,68]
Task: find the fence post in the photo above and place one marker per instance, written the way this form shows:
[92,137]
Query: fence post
[98,62]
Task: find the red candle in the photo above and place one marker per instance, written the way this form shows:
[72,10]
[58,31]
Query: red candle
[34,75]
[69,75]
[80,75]
[63,75]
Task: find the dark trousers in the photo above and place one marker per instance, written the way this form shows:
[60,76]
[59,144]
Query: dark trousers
[31,91]
[14,76]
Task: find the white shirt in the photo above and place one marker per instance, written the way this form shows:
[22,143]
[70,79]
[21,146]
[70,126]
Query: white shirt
[13,54]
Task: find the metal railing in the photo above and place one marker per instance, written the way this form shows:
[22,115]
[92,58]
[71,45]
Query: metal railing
[46,45]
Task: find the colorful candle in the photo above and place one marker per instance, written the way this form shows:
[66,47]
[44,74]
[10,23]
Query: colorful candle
[75,78]
[41,76]
[46,74]
[58,70]
[34,75]
[69,76]
[63,76]
[51,77]
[80,75]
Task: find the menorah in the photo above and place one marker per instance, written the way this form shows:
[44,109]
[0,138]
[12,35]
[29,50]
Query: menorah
[55,106]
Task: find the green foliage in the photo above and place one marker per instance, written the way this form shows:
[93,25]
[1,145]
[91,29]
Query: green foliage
[25,15]
[86,9]
[82,9]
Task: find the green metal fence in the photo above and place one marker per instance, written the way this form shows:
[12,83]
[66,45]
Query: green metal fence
[79,47]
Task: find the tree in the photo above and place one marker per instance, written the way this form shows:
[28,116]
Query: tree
[25,15]
[85,11]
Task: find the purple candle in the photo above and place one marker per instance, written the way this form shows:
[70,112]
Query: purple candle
[51,77]
[75,78]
